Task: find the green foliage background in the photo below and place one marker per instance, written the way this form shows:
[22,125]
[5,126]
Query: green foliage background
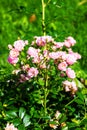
[63,18]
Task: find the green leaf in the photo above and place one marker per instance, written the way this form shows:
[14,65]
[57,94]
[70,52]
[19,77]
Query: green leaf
[79,101]
[21,127]
[11,114]
[65,128]
[16,122]
[80,95]
[84,91]
[41,82]
[22,112]
[63,118]
[79,84]
[26,120]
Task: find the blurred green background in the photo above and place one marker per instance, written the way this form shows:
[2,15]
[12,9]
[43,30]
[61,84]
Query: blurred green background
[19,18]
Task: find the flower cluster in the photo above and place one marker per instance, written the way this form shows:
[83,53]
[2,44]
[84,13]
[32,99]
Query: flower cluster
[10,127]
[15,51]
[44,49]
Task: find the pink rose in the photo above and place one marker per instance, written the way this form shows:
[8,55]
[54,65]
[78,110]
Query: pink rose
[70,86]
[58,44]
[67,44]
[66,83]
[33,52]
[70,41]
[77,55]
[71,59]
[40,41]
[12,60]
[19,45]
[23,78]
[32,72]
[54,55]
[14,53]
[62,66]
[70,73]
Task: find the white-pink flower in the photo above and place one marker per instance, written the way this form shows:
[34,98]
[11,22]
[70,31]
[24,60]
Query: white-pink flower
[62,66]
[19,45]
[23,78]
[67,44]
[12,60]
[32,72]
[70,59]
[33,52]
[10,127]
[70,86]
[55,55]
[58,44]
[10,46]
[77,55]
[14,53]
[40,41]
[70,41]
[70,73]
[74,87]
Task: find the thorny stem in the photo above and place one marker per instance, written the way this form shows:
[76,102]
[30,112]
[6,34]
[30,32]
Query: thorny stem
[45,75]
[43,18]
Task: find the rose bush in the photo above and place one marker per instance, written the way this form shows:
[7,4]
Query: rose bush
[39,63]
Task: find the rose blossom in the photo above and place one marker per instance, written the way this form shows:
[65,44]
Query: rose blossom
[67,85]
[58,44]
[74,87]
[55,55]
[70,41]
[10,127]
[70,73]
[19,45]
[33,52]
[70,86]
[42,40]
[62,66]
[23,78]
[77,55]
[14,53]
[70,59]
[67,44]
[32,72]
[13,60]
